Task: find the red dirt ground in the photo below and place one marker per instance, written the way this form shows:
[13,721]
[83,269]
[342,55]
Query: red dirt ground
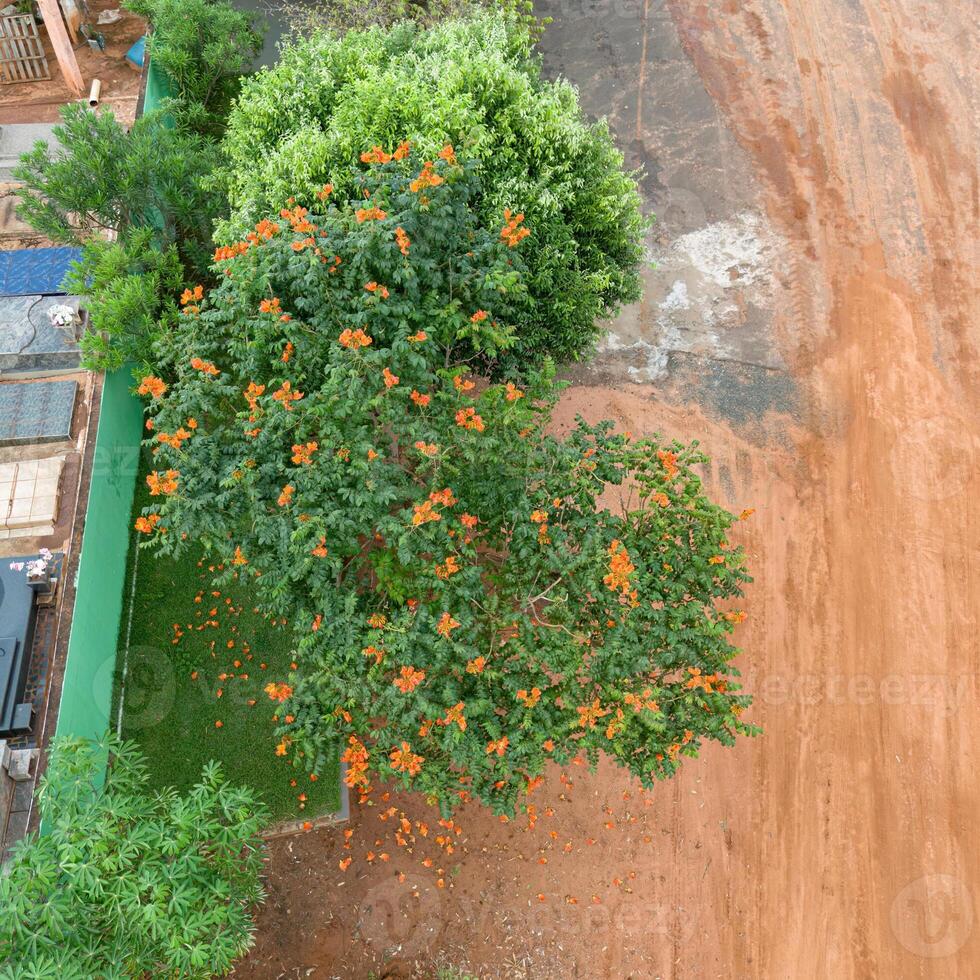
[841,843]
[28,102]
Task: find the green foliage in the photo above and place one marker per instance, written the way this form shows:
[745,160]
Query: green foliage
[130,288]
[475,84]
[127,882]
[203,47]
[464,607]
[105,179]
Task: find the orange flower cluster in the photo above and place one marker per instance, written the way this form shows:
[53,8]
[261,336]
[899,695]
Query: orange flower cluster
[189,299]
[669,462]
[409,678]
[589,714]
[370,214]
[320,551]
[513,392]
[252,394]
[205,366]
[285,395]
[308,242]
[297,219]
[224,252]
[356,758]
[287,352]
[354,339]
[420,399]
[642,701]
[375,155]
[377,621]
[540,517]
[427,178]
[162,483]
[286,495]
[448,568]
[620,569]
[448,154]
[468,419]
[498,747]
[390,379]
[324,192]
[710,682]
[512,232]
[146,525]
[530,700]
[270,306]
[278,692]
[444,497]
[454,716]
[476,665]
[151,385]
[239,558]
[175,440]
[460,385]
[479,316]
[469,520]
[417,338]
[304,453]
[405,760]
[427,448]
[373,287]
[446,625]
[402,239]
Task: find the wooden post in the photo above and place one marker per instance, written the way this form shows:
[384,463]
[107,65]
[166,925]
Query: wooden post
[51,13]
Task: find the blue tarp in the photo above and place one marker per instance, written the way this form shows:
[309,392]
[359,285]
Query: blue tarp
[35,271]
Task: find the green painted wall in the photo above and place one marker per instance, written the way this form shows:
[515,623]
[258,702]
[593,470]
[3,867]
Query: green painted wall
[87,690]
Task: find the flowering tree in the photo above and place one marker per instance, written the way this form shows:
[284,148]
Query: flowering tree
[464,607]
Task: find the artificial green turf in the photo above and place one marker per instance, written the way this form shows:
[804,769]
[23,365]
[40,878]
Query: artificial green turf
[171,714]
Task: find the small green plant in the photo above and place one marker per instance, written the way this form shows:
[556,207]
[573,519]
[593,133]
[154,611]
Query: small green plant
[131,290]
[104,178]
[203,47]
[127,882]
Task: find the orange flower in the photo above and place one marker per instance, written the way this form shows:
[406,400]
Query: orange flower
[219,724]
[513,393]
[278,692]
[444,497]
[320,551]
[446,625]
[145,525]
[370,214]
[460,385]
[530,699]
[192,424]
[377,621]
[417,338]
[239,558]
[324,192]
[405,760]
[390,379]
[427,178]
[373,651]
[402,239]
[498,747]
[356,757]
[669,462]
[287,352]
[468,419]
[479,316]
[409,679]
[151,385]
[354,339]
[620,569]
[304,453]
[476,666]
[511,233]
[286,495]
[281,748]
[206,366]
[449,568]
[448,154]
[455,716]
[419,399]
[401,151]
[662,499]
[285,395]
[162,483]
[468,520]
[746,514]
[270,306]
[375,155]
[252,394]
[229,251]
[424,513]
[588,715]
[373,287]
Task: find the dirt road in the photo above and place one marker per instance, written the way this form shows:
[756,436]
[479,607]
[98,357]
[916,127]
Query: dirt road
[829,150]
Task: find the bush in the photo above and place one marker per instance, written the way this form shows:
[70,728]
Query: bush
[472,83]
[131,289]
[464,607]
[203,47]
[126,882]
[105,179]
